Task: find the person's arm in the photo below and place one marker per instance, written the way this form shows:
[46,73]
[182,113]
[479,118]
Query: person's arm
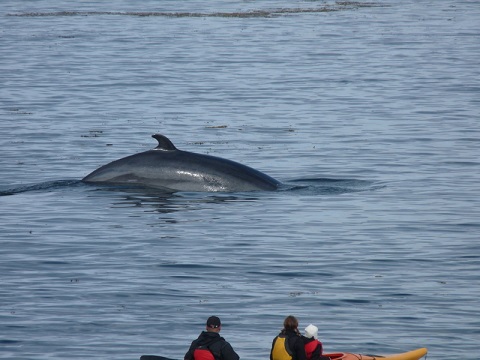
[320,347]
[228,353]
[299,349]
[189,354]
[271,351]
[317,352]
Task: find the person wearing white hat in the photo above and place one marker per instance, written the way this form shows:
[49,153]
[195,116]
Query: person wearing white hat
[313,347]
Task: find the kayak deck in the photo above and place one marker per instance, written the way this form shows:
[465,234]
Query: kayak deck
[409,355]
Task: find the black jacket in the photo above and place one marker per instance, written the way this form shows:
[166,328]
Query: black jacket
[295,343]
[219,347]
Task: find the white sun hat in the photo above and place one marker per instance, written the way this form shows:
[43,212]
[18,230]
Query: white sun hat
[311,331]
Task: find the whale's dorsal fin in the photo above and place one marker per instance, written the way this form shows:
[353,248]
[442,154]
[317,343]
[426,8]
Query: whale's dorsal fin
[164,143]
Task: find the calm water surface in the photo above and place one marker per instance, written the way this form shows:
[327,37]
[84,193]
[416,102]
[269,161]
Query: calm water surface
[372,109]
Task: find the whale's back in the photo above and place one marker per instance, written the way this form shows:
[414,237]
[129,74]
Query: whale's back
[178,170]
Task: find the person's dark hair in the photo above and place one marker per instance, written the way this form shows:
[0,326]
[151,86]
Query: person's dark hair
[290,323]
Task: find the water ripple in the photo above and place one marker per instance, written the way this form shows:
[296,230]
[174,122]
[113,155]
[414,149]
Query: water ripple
[339,5]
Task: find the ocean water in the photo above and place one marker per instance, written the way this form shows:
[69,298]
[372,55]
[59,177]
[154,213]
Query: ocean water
[370,110]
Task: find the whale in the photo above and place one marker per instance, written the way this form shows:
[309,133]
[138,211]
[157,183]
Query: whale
[170,169]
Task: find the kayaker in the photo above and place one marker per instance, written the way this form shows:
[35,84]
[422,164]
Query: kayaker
[288,345]
[313,347]
[210,345]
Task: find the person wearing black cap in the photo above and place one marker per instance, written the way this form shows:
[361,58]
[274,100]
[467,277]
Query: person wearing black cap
[210,345]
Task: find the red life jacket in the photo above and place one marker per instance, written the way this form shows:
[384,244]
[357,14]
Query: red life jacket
[310,348]
[203,354]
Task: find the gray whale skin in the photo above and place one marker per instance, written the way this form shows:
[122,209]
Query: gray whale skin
[170,169]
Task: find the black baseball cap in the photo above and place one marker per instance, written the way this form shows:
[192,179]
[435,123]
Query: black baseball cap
[213,322]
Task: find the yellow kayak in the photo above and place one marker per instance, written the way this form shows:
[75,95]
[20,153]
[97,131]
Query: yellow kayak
[409,355]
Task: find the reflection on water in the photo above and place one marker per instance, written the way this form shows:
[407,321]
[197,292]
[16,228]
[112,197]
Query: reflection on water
[172,202]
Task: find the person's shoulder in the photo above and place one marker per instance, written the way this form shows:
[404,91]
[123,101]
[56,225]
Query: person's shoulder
[198,337]
[298,339]
[223,341]
[220,344]
[307,340]
[194,342]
